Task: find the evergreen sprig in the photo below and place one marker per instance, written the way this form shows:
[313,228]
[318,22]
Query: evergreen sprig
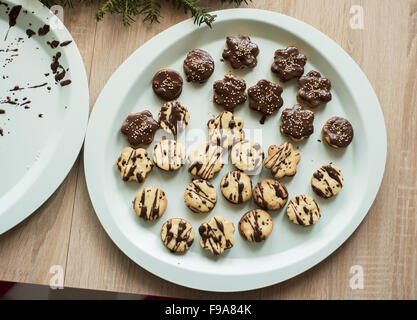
[149,9]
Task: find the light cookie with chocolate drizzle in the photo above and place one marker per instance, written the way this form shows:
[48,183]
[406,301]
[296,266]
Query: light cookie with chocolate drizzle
[303,210]
[236,187]
[256,225]
[150,203]
[134,164]
[226,129]
[206,160]
[168,155]
[270,194]
[327,181]
[282,160]
[200,196]
[217,235]
[177,235]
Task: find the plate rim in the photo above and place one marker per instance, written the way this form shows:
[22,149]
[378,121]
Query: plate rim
[43,187]
[192,279]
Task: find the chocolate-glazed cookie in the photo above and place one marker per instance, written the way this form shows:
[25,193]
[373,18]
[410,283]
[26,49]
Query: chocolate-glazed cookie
[241,52]
[139,128]
[337,132]
[229,92]
[173,117]
[198,65]
[314,89]
[288,63]
[167,84]
[297,123]
[265,97]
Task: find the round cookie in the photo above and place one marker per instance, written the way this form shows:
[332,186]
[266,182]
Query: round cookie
[270,194]
[241,52]
[167,84]
[139,128]
[198,65]
[168,155]
[229,92]
[327,181]
[247,156]
[225,130]
[256,225]
[134,164]
[206,160]
[313,89]
[303,210]
[217,235]
[236,187]
[288,63]
[200,196]
[282,160]
[177,235]
[337,132]
[265,97]
[173,117]
[150,203]
[297,123]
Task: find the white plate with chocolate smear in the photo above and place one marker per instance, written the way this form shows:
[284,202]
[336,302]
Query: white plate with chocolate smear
[278,248]
[44,105]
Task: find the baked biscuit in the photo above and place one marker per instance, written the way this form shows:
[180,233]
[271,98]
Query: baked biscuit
[167,84]
[139,128]
[314,90]
[236,187]
[229,92]
[282,160]
[134,164]
[225,130]
[241,52]
[200,196]
[217,235]
[270,194]
[173,117]
[337,132]
[206,160]
[297,123]
[256,225]
[288,63]
[177,235]
[198,65]
[327,181]
[303,210]
[168,155]
[150,203]
[247,156]
[265,97]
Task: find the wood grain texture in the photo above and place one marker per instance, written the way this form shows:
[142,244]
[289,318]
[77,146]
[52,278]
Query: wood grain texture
[66,229]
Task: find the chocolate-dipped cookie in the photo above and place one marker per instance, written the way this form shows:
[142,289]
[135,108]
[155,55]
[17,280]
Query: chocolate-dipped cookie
[270,194]
[177,235]
[337,132]
[198,65]
[265,97]
[297,123]
[327,181]
[314,90]
[226,130]
[229,92]
[167,84]
[288,63]
[173,117]
[241,52]
[139,128]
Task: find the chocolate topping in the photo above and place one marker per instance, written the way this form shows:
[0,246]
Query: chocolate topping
[288,63]
[297,122]
[338,132]
[167,84]
[198,65]
[139,128]
[314,89]
[265,97]
[229,92]
[241,52]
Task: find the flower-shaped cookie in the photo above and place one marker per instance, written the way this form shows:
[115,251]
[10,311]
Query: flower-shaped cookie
[297,123]
[229,92]
[217,235]
[288,63]
[225,130]
[139,128]
[265,97]
[314,89]
[241,52]
[282,160]
[134,164]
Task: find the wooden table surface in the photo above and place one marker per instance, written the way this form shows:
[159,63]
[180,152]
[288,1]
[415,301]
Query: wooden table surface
[65,230]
